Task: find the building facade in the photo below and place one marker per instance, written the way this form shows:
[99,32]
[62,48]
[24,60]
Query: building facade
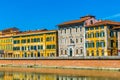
[117,29]
[40,43]
[118,42]
[6,41]
[71,36]
[101,40]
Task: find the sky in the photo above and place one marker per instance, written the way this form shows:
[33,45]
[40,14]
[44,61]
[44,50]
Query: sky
[46,14]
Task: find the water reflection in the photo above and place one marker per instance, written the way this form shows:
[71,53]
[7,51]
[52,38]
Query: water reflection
[41,76]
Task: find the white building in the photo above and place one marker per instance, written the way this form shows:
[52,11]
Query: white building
[71,36]
[117,29]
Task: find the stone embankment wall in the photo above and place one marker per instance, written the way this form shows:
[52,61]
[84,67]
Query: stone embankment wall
[65,63]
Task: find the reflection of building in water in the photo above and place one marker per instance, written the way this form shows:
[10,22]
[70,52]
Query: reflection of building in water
[26,76]
[39,76]
[1,75]
[71,78]
[8,76]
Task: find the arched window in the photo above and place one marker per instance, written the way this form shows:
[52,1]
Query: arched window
[76,40]
[76,51]
[25,54]
[102,52]
[92,52]
[65,51]
[38,54]
[32,54]
[87,53]
[97,53]
[61,52]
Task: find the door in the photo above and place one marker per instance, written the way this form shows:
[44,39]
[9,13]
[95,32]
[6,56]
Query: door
[71,51]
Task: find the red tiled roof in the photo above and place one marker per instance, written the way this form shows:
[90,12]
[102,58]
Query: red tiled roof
[76,21]
[26,32]
[106,22]
[35,32]
[9,29]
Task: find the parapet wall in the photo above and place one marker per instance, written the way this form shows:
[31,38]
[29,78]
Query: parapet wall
[65,63]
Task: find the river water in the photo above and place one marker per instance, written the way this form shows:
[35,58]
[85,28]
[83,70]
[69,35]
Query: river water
[56,74]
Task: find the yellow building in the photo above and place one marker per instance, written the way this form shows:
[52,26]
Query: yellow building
[39,43]
[100,39]
[6,45]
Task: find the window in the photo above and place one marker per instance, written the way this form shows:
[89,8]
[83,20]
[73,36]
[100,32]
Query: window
[65,51]
[51,47]
[32,54]
[87,53]
[23,48]
[97,34]
[89,35]
[91,28]
[96,28]
[92,44]
[23,41]
[112,42]
[38,54]
[102,44]
[16,48]
[91,22]
[86,35]
[92,52]
[16,41]
[81,40]
[81,51]
[86,28]
[41,39]
[111,34]
[28,40]
[53,38]
[76,40]
[86,45]
[38,39]
[76,51]
[71,41]
[116,34]
[92,35]
[101,27]
[28,47]
[97,53]
[61,52]
[117,43]
[35,40]
[102,34]
[97,44]
[32,47]
[35,48]
[25,54]
[32,40]
[65,30]
[40,47]
[80,28]
[102,52]
[49,39]
[70,30]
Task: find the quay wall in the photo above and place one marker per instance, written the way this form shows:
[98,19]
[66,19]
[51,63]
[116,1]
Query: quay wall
[108,63]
